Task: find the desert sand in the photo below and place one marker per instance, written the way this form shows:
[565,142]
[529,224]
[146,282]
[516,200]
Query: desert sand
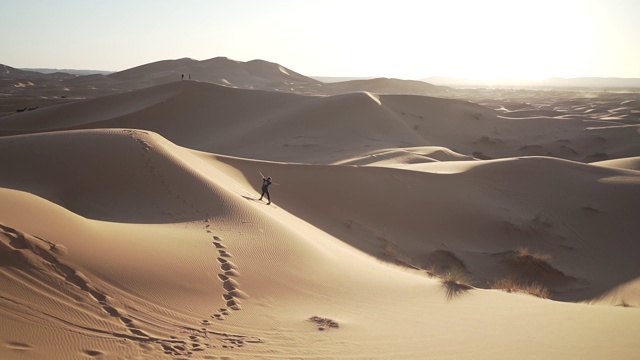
[477,224]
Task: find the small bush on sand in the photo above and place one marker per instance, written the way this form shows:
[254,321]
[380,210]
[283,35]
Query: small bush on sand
[523,255]
[624,304]
[323,323]
[531,265]
[455,282]
[512,285]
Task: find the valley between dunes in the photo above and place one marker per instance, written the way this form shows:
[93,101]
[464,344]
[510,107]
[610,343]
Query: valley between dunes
[130,227]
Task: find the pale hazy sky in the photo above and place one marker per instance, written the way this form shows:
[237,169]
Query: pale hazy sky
[397,38]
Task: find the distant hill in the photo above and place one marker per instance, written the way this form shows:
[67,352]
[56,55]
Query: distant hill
[333,79]
[68,71]
[385,86]
[30,88]
[257,74]
[264,75]
[12,73]
[555,82]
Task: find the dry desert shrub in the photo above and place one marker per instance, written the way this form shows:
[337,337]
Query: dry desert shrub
[323,323]
[455,282]
[532,267]
[513,285]
[442,262]
[623,303]
[536,262]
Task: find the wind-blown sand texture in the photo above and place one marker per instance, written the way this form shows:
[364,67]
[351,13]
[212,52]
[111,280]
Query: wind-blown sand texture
[130,225]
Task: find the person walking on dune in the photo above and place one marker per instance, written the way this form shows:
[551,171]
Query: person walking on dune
[266,182]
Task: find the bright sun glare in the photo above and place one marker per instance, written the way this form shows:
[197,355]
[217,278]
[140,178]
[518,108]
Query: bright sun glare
[473,39]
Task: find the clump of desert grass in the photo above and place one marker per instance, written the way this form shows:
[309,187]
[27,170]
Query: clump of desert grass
[511,285]
[452,272]
[323,323]
[455,282]
[623,303]
[531,263]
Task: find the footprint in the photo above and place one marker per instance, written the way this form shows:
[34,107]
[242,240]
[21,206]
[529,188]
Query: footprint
[230,284]
[19,346]
[224,253]
[237,293]
[232,273]
[93,353]
[132,329]
[219,245]
[227,265]
[111,311]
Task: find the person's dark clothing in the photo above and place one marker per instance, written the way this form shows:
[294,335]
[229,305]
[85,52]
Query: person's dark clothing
[265,189]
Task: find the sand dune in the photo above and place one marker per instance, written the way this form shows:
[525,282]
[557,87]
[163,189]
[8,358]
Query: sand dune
[52,88]
[255,74]
[385,86]
[534,203]
[401,157]
[402,226]
[320,129]
[181,260]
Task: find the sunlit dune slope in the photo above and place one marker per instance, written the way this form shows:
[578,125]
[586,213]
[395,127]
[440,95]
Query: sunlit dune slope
[623,163]
[405,156]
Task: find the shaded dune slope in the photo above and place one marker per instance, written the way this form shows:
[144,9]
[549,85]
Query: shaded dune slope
[326,129]
[482,211]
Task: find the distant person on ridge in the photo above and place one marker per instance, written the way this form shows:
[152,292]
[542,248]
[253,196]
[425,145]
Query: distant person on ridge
[266,181]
